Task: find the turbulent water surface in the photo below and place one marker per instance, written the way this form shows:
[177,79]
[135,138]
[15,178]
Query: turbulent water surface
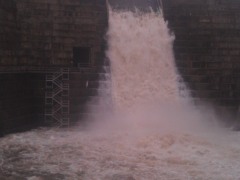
[54,154]
[152,133]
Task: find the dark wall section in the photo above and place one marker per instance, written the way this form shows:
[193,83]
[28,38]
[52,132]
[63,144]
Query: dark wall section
[43,33]
[143,5]
[207,48]
[83,88]
[37,35]
[9,32]
[21,102]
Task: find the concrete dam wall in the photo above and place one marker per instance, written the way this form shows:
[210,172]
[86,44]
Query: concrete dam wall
[207,49]
[39,37]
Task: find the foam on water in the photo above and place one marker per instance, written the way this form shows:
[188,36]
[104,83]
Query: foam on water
[55,154]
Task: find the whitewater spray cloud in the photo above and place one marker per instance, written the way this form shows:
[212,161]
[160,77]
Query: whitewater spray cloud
[142,62]
[142,89]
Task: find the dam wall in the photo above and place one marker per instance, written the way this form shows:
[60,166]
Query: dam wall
[38,37]
[207,49]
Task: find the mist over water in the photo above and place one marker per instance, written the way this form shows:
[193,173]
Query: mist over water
[144,91]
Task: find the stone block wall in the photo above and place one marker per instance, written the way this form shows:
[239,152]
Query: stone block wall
[207,48]
[9,42]
[43,33]
[47,31]
[143,5]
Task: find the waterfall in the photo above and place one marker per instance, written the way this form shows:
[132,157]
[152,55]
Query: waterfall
[139,87]
[140,51]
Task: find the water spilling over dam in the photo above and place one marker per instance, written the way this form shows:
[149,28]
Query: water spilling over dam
[143,85]
[141,56]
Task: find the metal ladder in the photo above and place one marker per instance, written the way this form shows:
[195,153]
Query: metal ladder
[57,98]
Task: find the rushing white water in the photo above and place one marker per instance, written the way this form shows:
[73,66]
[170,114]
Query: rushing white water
[69,155]
[142,86]
[142,62]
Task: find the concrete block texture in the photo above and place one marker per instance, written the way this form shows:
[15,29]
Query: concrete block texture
[30,30]
[207,48]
